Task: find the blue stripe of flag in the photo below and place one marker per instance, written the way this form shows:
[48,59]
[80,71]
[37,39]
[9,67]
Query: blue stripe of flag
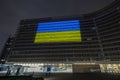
[59,26]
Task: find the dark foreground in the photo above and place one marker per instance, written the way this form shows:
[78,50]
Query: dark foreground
[77,76]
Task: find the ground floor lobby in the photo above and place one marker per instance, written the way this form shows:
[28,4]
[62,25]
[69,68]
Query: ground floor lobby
[13,69]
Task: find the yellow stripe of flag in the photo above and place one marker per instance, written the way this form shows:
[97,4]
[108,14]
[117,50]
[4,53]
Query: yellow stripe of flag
[66,36]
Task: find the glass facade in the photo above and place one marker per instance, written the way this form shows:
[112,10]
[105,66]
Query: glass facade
[33,68]
[110,68]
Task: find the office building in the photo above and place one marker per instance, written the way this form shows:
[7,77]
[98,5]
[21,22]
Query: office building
[91,41]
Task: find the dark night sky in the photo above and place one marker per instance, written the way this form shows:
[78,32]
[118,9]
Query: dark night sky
[12,11]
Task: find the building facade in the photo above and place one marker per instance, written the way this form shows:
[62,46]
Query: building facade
[100,40]
[6,49]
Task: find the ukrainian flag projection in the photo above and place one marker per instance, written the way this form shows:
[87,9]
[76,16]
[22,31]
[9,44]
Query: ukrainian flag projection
[59,31]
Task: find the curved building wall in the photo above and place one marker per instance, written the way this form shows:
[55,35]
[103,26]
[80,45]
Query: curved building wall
[100,40]
[108,25]
[24,48]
